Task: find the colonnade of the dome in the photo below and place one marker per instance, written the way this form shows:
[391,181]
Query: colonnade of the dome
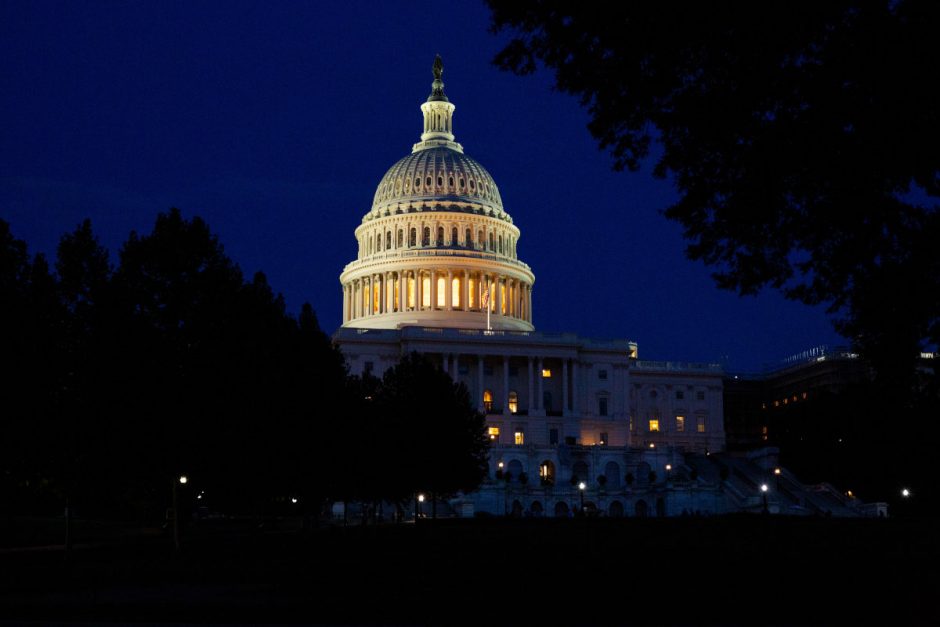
[436,289]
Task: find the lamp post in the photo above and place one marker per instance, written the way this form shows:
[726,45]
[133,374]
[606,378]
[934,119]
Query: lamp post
[183,480]
[581,487]
[420,500]
[763,491]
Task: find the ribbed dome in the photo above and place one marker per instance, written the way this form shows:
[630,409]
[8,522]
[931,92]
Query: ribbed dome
[437,175]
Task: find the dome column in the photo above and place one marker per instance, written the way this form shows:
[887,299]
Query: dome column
[433,289]
[402,292]
[499,296]
[465,288]
[449,291]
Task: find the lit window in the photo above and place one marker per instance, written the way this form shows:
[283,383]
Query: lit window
[654,425]
[488,401]
[493,433]
[546,373]
[513,401]
[804,396]
[700,426]
[763,433]
[680,423]
[520,438]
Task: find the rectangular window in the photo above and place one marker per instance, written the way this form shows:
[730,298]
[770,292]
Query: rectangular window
[602,375]
[680,395]
[553,437]
[680,423]
[520,437]
[493,432]
[602,406]
[546,373]
[604,440]
[700,395]
[700,426]
[654,425]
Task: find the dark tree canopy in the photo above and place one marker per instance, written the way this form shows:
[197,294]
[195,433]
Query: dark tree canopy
[802,138]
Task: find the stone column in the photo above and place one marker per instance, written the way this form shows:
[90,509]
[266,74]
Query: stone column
[505,385]
[465,291]
[480,386]
[345,303]
[564,387]
[529,303]
[538,375]
[433,289]
[419,291]
[402,292]
[449,291]
[533,405]
[499,297]
[367,301]
[389,287]
[575,399]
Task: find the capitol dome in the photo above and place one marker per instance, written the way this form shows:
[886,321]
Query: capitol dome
[437,249]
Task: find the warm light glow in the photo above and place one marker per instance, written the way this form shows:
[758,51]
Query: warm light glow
[500,465]
[441,294]
[513,402]
[546,373]
[680,423]
[582,485]
[668,466]
[850,495]
[654,425]
[700,427]
[763,487]
[426,292]
[184,479]
[520,438]
[421,498]
[494,435]
[455,293]
[652,445]
[294,500]
[543,471]
[776,471]
[905,492]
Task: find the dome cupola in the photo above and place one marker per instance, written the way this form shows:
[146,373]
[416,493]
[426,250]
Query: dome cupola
[437,248]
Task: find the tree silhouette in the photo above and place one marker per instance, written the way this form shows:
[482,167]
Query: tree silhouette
[798,135]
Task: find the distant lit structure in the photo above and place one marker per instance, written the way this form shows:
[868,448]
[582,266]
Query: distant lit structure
[438,272]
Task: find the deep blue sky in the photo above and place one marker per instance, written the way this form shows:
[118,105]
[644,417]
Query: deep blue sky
[275,121]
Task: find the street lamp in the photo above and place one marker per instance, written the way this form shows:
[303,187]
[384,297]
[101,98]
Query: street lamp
[581,487]
[418,507]
[905,492]
[182,480]
[763,489]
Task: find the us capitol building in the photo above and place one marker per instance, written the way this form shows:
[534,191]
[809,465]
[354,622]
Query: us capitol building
[570,419]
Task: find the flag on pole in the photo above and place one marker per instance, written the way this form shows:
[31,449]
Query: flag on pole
[486,297]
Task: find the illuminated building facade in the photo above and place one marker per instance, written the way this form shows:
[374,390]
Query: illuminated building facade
[438,272]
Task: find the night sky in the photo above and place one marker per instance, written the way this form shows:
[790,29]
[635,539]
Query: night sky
[275,121]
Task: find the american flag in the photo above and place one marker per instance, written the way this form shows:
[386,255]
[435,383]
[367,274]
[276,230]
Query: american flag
[486,297]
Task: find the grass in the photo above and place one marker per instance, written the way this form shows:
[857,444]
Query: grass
[721,570]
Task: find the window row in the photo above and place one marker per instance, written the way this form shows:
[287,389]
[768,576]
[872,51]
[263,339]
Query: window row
[491,241]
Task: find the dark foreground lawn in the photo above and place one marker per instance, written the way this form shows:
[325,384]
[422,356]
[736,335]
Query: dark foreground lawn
[722,571]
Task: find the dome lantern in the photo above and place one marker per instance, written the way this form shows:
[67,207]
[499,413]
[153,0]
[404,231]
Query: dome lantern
[438,115]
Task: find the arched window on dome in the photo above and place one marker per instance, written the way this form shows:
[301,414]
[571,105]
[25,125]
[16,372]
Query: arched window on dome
[453,236]
[492,243]
[426,236]
[417,183]
[413,237]
[500,244]
[468,238]
[388,240]
[440,236]
[450,182]
[480,240]
[440,181]
[401,236]
[427,181]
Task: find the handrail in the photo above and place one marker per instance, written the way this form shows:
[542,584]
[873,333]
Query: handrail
[434,252]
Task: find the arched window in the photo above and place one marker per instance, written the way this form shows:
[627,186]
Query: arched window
[480,239]
[488,401]
[450,182]
[492,242]
[468,238]
[413,237]
[547,472]
[388,240]
[426,236]
[513,401]
[612,472]
[453,236]
[417,183]
[378,242]
[500,244]
[440,236]
[400,238]
[561,509]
